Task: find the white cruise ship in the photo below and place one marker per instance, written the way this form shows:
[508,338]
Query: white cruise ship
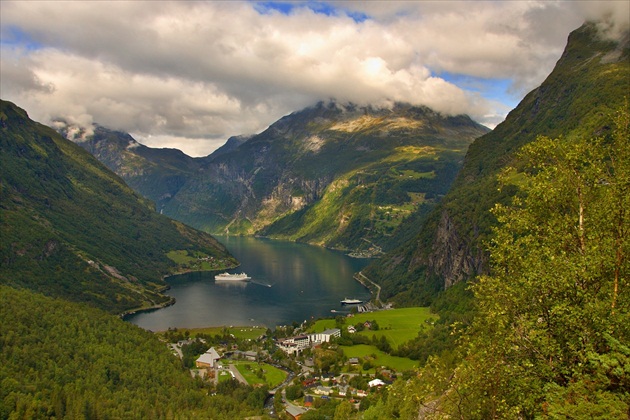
[232,277]
[347,301]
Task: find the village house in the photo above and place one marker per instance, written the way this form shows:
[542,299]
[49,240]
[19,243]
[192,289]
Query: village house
[376,382]
[293,345]
[295,411]
[287,346]
[387,374]
[322,390]
[361,393]
[208,359]
[185,342]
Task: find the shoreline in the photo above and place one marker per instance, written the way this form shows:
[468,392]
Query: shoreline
[171,300]
[188,271]
[155,307]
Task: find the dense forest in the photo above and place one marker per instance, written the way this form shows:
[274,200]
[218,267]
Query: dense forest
[550,334]
[65,360]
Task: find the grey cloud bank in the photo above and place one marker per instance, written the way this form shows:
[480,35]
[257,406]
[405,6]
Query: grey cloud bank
[191,74]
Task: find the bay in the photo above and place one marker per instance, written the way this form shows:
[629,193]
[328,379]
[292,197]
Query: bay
[290,282]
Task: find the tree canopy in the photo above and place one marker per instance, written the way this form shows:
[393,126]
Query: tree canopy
[551,332]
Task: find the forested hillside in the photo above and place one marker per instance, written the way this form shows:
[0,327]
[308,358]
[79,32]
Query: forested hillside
[550,336]
[67,360]
[71,228]
[589,82]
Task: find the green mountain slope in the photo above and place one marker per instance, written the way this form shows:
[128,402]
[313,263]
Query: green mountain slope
[156,174]
[341,176]
[66,360]
[591,79]
[71,228]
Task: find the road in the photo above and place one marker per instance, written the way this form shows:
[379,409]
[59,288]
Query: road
[378,288]
[237,374]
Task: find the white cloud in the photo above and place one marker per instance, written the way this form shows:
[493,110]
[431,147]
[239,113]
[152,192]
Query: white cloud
[191,74]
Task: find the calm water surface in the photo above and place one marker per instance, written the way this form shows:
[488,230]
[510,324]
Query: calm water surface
[290,282]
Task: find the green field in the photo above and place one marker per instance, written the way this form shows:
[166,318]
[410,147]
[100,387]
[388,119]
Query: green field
[248,333]
[378,358]
[272,375]
[397,325]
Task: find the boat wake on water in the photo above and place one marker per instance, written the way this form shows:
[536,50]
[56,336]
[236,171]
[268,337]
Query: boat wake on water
[260,284]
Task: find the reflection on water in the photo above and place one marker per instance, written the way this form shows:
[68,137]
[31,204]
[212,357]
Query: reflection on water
[290,282]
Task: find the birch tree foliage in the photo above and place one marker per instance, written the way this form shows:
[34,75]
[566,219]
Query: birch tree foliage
[553,330]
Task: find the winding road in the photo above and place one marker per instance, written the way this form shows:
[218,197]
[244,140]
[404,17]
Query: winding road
[378,288]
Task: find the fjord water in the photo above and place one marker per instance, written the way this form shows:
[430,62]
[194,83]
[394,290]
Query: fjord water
[290,282]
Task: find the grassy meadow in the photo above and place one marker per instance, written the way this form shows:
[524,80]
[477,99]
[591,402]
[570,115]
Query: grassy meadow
[378,358]
[397,325]
[247,333]
[271,375]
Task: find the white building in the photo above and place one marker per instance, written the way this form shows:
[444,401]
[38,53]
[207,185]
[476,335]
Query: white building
[376,382]
[325,336]
[296,344]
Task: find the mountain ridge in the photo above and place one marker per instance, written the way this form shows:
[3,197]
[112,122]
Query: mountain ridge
[279,182]
[590,80]
[73,229]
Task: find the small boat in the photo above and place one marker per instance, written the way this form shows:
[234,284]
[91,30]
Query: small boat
[347,301]
[232,277]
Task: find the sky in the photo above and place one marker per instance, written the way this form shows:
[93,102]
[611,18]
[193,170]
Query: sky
[190,74]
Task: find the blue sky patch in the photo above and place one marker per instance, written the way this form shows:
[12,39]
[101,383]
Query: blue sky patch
[323,8]
[267,7]
[14,36]
[492,89]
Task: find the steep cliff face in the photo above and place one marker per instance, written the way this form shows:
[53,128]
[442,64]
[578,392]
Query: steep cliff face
[590,80]
[452,258]
[335,175]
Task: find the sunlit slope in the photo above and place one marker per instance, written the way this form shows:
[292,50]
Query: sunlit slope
[341,176]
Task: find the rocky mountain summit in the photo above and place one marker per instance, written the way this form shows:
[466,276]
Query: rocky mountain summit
[337,175]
